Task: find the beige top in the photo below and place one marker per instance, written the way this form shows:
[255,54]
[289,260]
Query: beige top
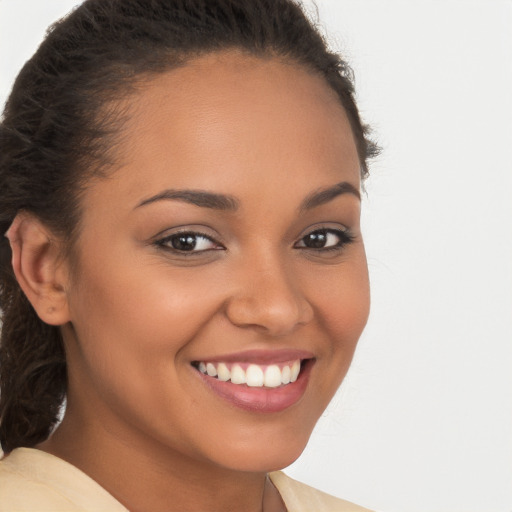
[34,481]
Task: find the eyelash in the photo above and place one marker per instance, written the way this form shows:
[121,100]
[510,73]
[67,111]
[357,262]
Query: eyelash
[344,238]
[166,242]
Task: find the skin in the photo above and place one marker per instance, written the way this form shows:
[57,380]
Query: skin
[135,315]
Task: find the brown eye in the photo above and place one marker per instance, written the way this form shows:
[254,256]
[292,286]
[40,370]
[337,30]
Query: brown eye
[188,242]
[316,240]
[324,239]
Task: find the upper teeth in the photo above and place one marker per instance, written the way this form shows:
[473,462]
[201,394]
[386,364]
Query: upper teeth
[254,375]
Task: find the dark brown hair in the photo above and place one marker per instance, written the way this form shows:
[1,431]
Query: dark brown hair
[55,134]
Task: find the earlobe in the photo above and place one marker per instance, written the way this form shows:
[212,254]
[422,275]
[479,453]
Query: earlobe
[39,268]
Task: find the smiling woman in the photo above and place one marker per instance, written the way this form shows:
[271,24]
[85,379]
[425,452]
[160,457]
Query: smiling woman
[179,186]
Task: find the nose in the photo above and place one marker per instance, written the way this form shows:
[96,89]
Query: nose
[268,297]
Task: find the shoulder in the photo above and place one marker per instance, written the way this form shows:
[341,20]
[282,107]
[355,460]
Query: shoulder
[299,497]
[22,492]
[33,480]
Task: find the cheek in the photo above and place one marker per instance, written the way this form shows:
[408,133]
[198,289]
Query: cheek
[133,325]
[342,304]
[133,322]
[147,302]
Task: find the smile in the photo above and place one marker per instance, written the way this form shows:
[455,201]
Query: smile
[253,375]
[260,384]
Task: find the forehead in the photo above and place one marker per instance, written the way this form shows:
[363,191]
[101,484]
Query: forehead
[232,121]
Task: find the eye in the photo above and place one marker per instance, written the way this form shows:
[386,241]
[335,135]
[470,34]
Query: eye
[325,239]
[188,242]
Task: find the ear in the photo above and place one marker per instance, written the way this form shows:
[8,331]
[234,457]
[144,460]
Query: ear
[39,268]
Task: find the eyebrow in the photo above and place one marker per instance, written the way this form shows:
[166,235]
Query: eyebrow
[325,195]
[196,197]
[225,202]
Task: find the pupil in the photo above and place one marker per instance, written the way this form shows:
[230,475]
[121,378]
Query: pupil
[184,242]
[316,240]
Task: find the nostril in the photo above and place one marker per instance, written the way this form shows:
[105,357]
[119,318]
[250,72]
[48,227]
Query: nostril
[276,313]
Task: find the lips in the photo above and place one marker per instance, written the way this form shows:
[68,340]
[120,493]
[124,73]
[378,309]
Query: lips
[257,381]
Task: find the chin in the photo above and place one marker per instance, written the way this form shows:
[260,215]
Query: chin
[264,456]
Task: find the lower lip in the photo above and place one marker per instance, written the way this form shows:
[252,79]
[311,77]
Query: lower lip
[261,399]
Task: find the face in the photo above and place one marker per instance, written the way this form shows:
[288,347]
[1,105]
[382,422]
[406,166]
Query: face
[227,242]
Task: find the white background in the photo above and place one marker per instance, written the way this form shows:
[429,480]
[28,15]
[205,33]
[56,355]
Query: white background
[423,423]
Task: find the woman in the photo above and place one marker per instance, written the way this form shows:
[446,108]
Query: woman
[183,261]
